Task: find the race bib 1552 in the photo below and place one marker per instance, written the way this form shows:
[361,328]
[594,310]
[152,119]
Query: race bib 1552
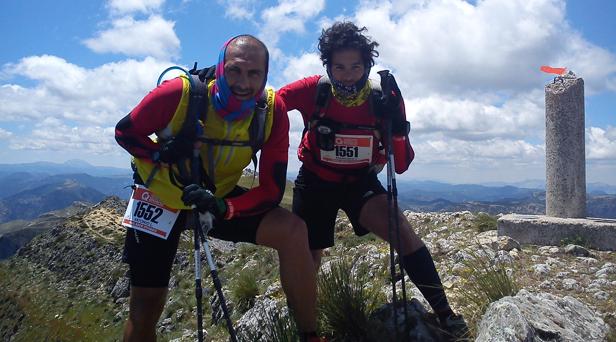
[148,214]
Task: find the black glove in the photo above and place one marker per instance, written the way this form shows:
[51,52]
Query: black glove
[204,200]
[388,105]
[173,150]
[400,127]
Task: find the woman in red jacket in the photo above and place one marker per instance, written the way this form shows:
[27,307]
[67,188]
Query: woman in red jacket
[342,151]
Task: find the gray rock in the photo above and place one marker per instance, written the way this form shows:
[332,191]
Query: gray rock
[548,250]
[541,269]
[504,322]
[577,250]
[422,326]
[540,317]
[553,262]
[505,243]
[608,268]
[503,258]
[598,283]
[562,274]
[571,284]
[252,326]
[586,261]
[121,289]
[604,272]
[601,295]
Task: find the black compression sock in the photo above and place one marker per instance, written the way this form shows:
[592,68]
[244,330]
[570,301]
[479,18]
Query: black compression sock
[422,271]
[304,336]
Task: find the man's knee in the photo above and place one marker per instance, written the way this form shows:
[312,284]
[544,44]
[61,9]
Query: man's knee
[289,232]
[293,234]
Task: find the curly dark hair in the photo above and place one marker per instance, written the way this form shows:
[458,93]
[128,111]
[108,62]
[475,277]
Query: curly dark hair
[345,35]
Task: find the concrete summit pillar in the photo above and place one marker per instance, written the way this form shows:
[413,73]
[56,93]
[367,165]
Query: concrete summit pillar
[565,159]
[565,189]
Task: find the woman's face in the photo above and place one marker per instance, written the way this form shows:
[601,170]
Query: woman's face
[347,66]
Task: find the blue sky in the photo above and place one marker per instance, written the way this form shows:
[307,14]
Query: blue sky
[469,72]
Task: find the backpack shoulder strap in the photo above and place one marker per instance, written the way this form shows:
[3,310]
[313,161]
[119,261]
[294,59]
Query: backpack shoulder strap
[198,101]
[376,92]
[321,100]
[257,127]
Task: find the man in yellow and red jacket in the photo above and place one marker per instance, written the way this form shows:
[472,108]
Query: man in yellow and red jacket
[241,215]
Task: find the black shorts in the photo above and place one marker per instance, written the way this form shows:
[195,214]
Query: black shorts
[150,258]
[317,202]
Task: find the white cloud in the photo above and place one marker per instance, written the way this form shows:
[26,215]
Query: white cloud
[52,134]
[469,72]
[239,9]
[601,143]
[456,150]
[596,65]
[287,16]
[478,118]
[302,66]
[454,47]
[131,6]
[4,134]
[152,37]
[98,96]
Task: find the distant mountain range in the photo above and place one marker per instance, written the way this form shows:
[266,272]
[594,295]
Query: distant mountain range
[28,190]
[16,233]
[70,166]
[31,195]
[31,203]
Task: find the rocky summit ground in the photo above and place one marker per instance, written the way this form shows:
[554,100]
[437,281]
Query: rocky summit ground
[69,284]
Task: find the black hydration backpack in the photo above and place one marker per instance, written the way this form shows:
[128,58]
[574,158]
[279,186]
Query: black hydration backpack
[198,101]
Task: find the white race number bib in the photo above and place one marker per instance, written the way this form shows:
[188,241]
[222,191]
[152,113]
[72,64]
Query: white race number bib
[349,150]
[148,214]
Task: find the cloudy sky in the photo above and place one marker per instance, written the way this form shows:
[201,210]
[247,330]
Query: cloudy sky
[468,70]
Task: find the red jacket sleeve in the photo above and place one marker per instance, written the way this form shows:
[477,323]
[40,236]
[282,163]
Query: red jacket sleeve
[401,147]
[152,114]
[300,95]
[272,171]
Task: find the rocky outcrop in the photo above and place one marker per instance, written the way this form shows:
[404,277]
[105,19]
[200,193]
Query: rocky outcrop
[79,261]
[16,234]
[540,317]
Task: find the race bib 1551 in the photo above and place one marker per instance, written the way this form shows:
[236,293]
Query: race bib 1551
[349,150]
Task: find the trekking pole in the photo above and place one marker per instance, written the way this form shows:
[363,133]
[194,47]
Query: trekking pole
[206,220]
[199,235]
[202,221]
[388,84]
[199,240]
[198,289]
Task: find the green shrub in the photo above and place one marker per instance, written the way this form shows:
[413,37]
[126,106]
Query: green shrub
[244,290]
[574,240]
[484,222]
[486,282]
[345,302]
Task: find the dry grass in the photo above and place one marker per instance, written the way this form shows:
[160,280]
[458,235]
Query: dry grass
[486,282]
[345,302]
